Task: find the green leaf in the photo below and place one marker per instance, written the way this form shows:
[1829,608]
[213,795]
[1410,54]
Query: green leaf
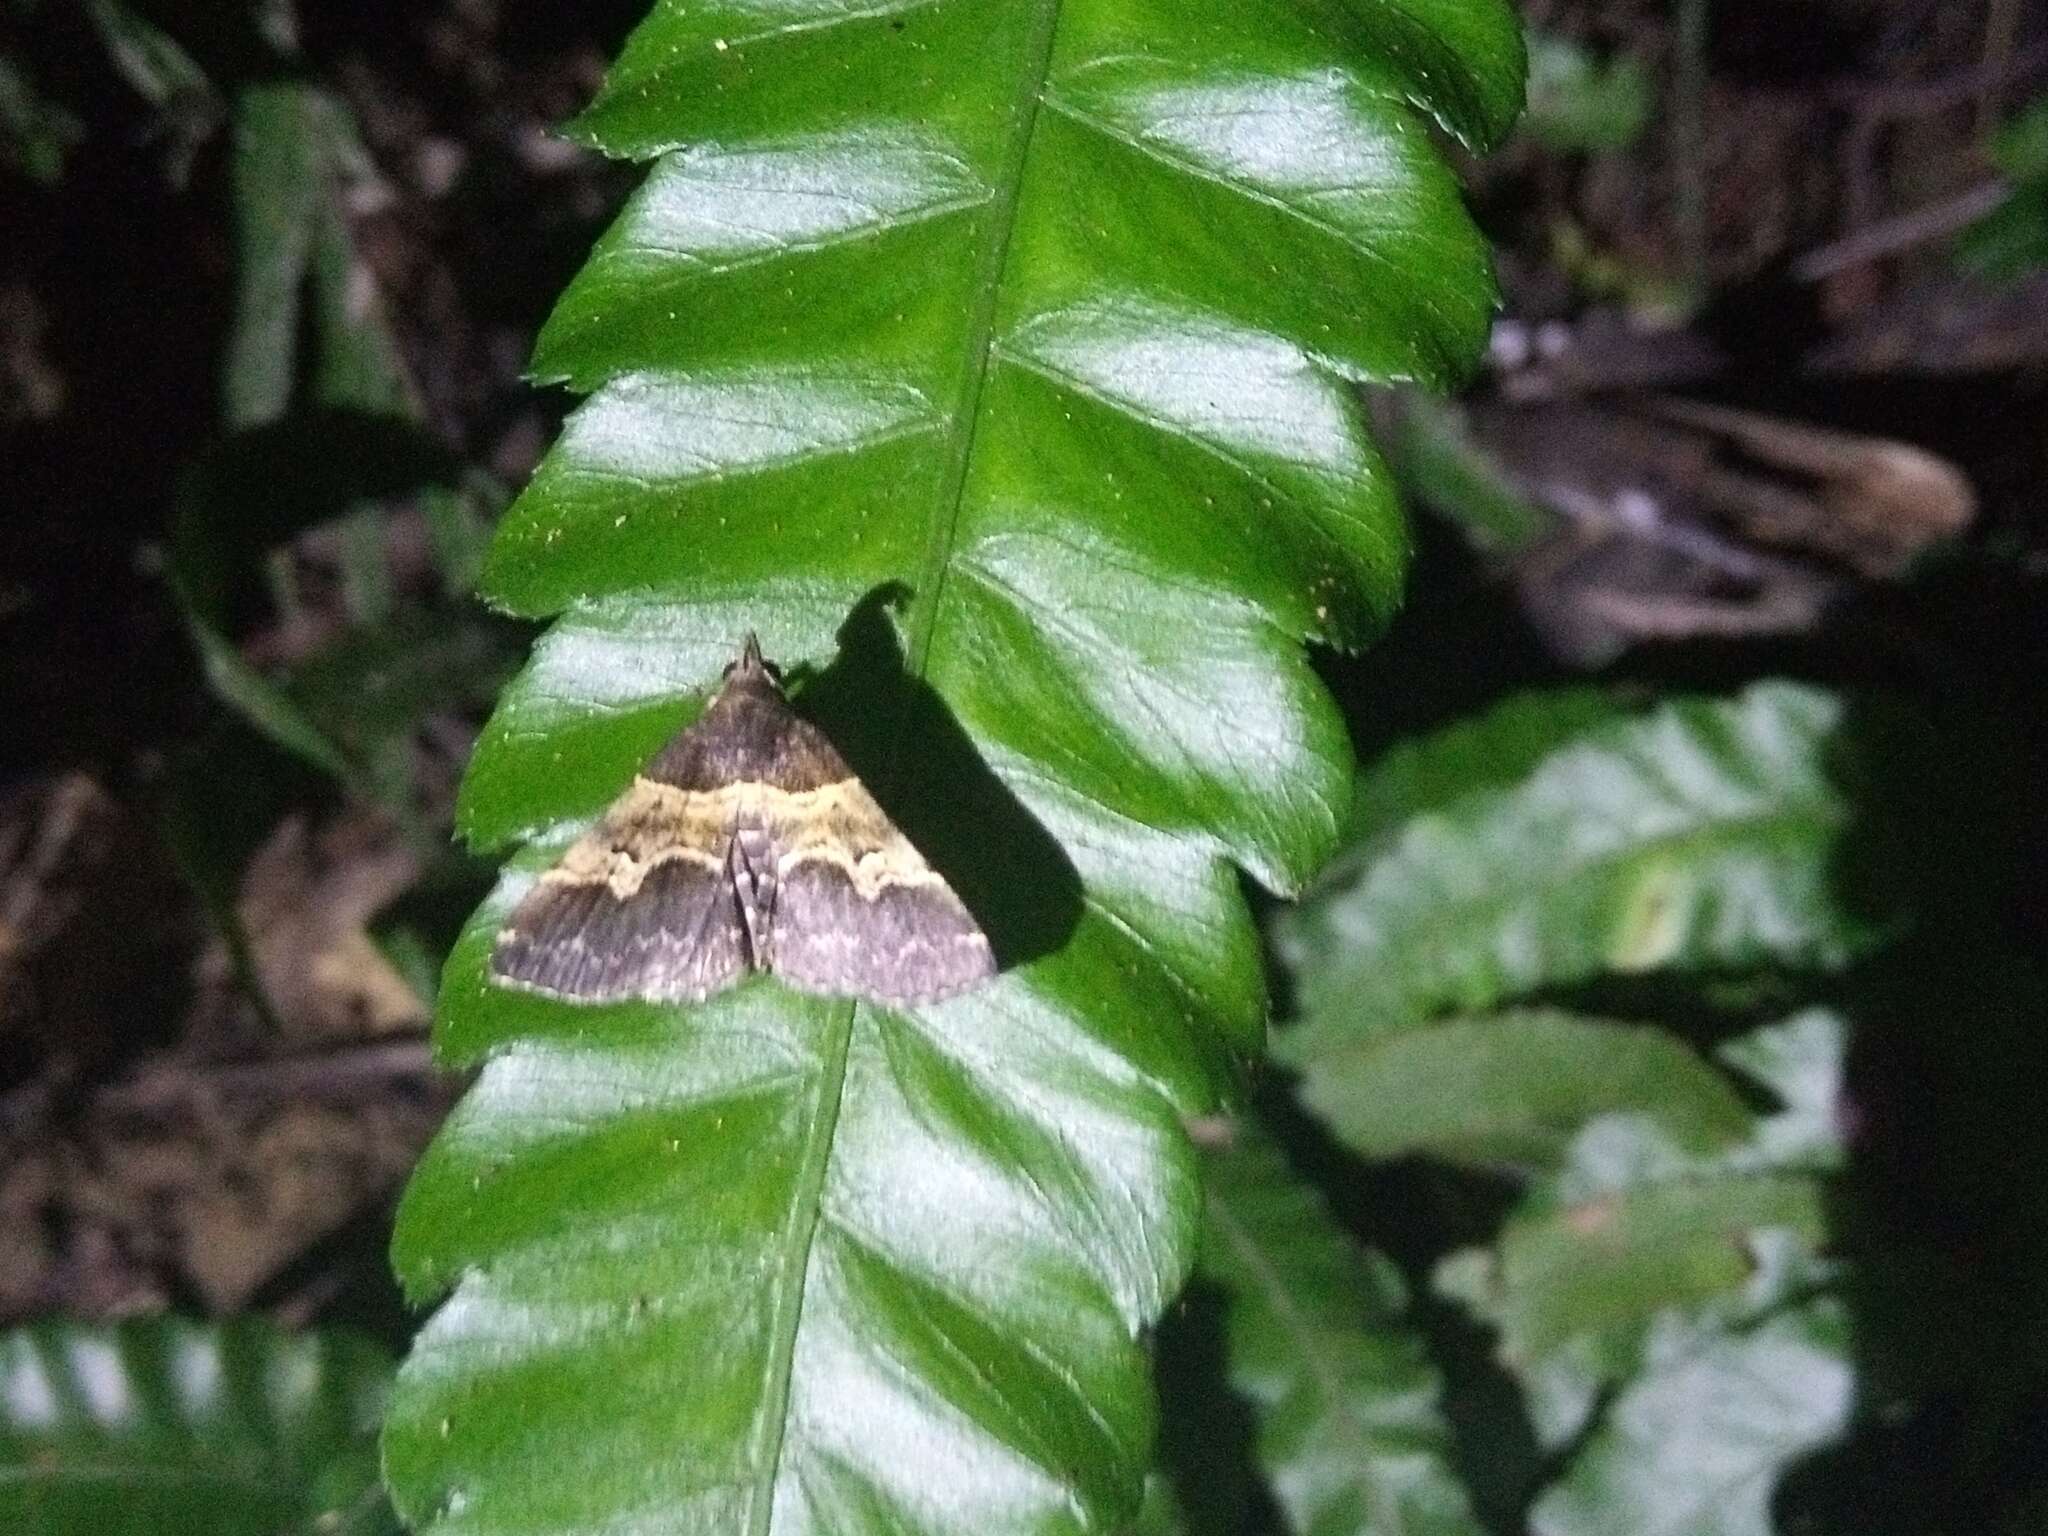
[1445,468]
[342,709]
[1609,1262]
[1516,1087]
[1319,1342]
[1579,102]
[1704,835]
[1023,334]
[1493,751]
[295,155]
[1804,1063]
[1161,1513]
[266,706]
[190,108]
[150,59]
[37,132]
[2021,147]
[357,366]
[1695,1446]
[261,488]
[458,527]
[276,187]
[2012,240]
[164,1427]
[1635,1232]
[354,708]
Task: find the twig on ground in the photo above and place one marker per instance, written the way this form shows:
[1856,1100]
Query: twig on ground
[1904,232]
[167,1083]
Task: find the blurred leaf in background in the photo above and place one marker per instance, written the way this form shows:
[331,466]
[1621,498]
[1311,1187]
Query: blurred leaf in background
[1553,845]
[1661,1289]
[36,131]
[297,166]
[165,75]
[1579,101]
[1630,1233]
[1696,1444]
[1349,1435]
[324,552]
[2012,241]
[173,1428]
[324,428]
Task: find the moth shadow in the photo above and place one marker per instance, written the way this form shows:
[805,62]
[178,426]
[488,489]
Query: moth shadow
[897,734]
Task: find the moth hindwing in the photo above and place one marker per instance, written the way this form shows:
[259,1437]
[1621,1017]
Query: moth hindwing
[747,844]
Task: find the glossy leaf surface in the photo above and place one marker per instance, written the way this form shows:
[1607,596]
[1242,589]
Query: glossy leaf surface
[1319,1342]
[1704,835]
[1019,330]
[170,1428]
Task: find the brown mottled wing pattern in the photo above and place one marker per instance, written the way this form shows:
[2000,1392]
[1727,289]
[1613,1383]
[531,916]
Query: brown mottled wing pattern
[677,938]
[859,913]
[902,945]
[747,844]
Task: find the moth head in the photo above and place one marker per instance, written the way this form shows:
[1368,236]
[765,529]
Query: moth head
[751,666]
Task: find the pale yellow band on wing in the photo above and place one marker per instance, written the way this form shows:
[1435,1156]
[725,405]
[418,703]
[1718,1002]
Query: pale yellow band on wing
[652,824]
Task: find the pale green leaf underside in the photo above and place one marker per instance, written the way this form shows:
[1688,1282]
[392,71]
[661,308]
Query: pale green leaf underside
[169,1428]
[1613,1262]
[1697,1444]
[1033,319]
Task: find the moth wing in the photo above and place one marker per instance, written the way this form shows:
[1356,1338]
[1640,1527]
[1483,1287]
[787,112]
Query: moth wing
[677,938]
[859,913]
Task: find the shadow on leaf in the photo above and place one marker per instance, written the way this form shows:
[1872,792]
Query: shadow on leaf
[900,737]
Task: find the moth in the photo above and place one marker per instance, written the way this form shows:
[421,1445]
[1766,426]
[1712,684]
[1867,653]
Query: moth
[745,845]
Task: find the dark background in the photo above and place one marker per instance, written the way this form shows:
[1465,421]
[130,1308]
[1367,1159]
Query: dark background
[193,1114]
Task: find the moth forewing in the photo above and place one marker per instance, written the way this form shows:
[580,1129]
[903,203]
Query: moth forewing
[746,844]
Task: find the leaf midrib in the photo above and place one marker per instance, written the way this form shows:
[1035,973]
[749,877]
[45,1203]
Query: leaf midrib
[805,1211]
[807,1207]
[1025,104]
